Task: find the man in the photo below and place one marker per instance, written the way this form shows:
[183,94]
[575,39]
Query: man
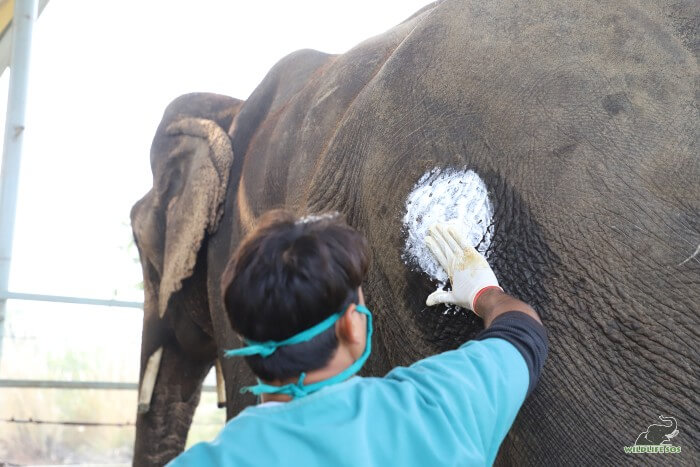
[293,292]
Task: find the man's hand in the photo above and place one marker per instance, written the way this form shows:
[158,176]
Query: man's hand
[468,270]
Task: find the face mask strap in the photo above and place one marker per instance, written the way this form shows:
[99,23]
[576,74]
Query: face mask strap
[265,349]
[299,389]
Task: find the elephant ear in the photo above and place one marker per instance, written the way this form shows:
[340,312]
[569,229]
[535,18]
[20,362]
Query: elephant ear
[190,159]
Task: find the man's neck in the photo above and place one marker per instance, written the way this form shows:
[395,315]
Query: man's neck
[340,361]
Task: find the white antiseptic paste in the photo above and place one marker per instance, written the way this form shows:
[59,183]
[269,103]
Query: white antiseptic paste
[317,217]
[442,195]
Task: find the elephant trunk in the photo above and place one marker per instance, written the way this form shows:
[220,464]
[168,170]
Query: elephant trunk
[672,426]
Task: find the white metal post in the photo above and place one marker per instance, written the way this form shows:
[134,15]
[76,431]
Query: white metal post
[25,13]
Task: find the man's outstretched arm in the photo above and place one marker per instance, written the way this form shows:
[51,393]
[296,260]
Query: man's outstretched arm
[515,321]
[475,392]
[493,302]
[475,286]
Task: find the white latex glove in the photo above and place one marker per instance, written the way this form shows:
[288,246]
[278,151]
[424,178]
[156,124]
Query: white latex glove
[468,270]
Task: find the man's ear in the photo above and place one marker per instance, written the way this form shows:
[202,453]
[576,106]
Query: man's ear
[349,326]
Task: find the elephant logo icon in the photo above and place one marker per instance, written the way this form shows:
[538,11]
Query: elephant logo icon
[657,438]
[658,433]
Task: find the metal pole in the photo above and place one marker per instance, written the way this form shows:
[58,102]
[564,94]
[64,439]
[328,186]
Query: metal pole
[23,24]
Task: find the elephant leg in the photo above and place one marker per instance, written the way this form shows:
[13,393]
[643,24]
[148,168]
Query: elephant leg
[238,373]
[234,371]
[162,431]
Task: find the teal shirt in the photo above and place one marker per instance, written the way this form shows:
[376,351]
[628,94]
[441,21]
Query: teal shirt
[453,408]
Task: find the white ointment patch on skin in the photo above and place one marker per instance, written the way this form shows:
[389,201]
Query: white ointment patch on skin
[317,217]
[442,195]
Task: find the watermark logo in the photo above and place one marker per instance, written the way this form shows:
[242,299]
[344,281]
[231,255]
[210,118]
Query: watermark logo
[657,438]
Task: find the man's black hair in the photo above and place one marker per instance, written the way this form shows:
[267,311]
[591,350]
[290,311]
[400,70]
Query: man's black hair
[288,275]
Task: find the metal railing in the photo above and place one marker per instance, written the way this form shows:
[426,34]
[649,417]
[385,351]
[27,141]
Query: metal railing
[66,299]
[56,384]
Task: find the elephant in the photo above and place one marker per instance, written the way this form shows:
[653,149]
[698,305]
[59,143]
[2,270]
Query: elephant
[659,433]
[581,120]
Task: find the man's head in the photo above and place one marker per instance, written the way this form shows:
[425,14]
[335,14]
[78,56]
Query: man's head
[288,275]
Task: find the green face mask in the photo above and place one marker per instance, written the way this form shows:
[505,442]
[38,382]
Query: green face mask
[299,389]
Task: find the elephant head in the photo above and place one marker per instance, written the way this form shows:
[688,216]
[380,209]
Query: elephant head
[191,158]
